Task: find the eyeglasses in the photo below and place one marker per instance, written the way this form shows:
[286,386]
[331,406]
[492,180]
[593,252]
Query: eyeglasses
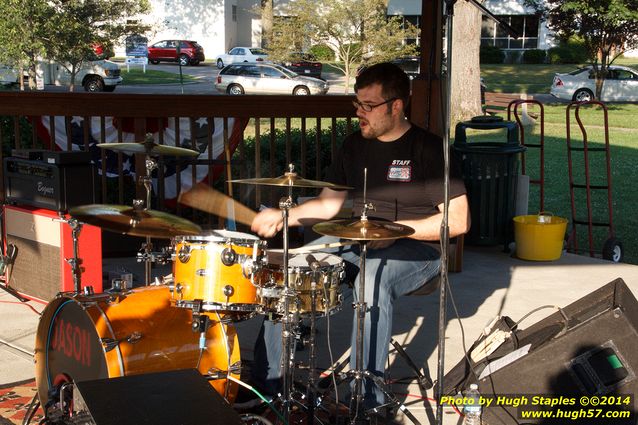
[367,107]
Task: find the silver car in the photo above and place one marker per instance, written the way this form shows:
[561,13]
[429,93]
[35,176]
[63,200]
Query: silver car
[621,85]
[258,78]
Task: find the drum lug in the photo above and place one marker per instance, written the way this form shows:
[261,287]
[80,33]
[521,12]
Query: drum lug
[228,291]
[184,254]
[228,256]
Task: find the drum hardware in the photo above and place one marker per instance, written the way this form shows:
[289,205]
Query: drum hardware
[364,230]
[110,343]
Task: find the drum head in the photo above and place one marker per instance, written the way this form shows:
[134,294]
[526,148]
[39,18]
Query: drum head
[219,236]
[67,346]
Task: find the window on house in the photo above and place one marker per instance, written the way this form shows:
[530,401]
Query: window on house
[414,20]
[234,13]
[492,34]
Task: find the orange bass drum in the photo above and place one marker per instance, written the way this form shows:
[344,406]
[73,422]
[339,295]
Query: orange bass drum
[110,335]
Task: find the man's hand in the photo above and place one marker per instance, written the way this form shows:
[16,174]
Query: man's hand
[267,223]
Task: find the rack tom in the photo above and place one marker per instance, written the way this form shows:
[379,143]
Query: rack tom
[214,272]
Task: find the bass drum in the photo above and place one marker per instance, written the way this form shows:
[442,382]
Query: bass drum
[110,335]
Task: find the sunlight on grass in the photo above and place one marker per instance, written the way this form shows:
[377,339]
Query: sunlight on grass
[136,76]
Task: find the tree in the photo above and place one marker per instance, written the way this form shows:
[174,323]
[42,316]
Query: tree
[466,70]
[65,31]
[21,35]
[76,27]
[359,31]
[607,27]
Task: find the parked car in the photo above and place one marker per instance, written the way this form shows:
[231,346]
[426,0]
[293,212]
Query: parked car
[8,75]
[263,78]
[190,52]
[621,84]
[304,64]
[241,54]
[411,65]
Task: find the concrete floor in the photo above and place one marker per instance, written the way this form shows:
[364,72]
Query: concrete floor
[492,283]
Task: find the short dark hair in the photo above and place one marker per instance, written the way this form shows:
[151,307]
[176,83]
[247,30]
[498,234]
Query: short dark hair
[393,80]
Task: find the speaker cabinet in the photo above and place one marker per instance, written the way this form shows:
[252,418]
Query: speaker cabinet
[595,354]
[166,398]
[43,243]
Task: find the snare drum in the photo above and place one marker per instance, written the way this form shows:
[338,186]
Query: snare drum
[111,335]
[327,276]
[214,272]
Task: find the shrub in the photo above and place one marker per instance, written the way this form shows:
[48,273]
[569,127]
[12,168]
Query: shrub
[281,166]
[572,51]
[322,52]
[491,54]
[534,56]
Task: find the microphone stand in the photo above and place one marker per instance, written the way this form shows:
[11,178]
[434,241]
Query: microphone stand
[445,229]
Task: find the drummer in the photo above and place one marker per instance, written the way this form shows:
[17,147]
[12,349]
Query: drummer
[405,183]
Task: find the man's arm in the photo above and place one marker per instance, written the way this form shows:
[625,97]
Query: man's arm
[429,228]
[270,221]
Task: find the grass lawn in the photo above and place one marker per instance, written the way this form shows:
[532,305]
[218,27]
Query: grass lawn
[623,133]
[519,78]
[136,76]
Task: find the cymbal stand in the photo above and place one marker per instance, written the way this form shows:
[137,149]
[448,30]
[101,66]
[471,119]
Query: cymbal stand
[146,253]
[288,335]
[75,262]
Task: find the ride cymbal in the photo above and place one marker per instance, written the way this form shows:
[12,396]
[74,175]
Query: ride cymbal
[134,221]
[289,179]
[363,230]
[149,148]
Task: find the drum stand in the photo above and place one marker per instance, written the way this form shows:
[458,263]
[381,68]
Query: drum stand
[288,335]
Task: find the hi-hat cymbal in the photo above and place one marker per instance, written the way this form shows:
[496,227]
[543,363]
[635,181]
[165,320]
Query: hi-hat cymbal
[363,230]
[290,179]
[134,221]
[149,148]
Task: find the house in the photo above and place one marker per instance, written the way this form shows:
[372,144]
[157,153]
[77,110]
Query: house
[219,25]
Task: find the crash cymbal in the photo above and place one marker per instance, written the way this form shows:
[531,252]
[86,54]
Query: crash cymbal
[290,179]
[148,147]
[134,221]
[363,230]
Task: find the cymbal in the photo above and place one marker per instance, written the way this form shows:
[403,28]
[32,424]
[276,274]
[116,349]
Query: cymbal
[363,230]
[289,179]
[150,148]
[134,221]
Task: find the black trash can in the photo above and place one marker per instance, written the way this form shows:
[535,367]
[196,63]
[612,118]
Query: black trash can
[490,171]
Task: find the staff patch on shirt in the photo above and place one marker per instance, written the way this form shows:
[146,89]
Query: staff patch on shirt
[400,170]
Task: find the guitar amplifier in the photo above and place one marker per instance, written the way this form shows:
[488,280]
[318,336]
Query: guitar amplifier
[43,244]
[50,184]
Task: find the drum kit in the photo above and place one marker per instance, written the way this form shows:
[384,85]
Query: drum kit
[186,321]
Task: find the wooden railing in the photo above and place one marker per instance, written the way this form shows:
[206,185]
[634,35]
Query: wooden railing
[146,112]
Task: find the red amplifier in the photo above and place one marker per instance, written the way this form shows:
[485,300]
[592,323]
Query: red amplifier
[44,242]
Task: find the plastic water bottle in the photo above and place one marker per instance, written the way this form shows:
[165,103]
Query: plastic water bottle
[472,409]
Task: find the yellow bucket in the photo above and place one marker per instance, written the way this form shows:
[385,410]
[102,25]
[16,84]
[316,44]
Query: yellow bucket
[539,237]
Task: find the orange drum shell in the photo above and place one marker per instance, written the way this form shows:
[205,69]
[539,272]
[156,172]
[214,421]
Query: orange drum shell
[166,340]
[205,258]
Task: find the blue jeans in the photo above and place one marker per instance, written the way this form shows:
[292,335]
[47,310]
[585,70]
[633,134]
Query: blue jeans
[397,270]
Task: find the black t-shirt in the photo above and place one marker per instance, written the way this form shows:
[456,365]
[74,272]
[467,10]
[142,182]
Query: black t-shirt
[404,177]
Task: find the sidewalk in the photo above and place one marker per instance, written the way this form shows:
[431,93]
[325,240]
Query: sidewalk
[491,283]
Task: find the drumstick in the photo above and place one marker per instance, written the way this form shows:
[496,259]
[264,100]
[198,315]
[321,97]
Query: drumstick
[310,248]
[205,198]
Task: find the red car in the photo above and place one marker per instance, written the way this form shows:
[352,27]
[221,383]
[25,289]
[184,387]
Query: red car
[190,52]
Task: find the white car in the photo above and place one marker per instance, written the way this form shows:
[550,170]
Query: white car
[241,54]
[621,84]
[266,78]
